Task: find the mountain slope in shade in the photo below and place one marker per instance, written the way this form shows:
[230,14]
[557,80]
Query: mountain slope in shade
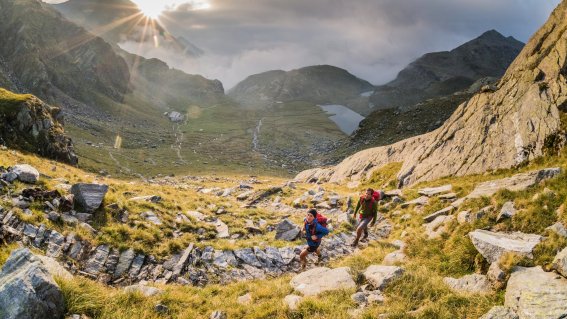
[518,122]
[321,84]
[120,21]
[52,57]
[442,73]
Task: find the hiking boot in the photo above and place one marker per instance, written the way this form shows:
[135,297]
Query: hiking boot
[303,265]
[354,244]
[364,239]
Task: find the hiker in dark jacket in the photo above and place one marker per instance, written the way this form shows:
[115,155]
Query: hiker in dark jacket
[368,214]
[313,233]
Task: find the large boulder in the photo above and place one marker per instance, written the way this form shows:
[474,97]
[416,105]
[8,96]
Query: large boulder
[321,279]
[560,263]
[26,173]
[88,197]
[535,294]
[27,290]
[286,230]
[492,245]
[381,276]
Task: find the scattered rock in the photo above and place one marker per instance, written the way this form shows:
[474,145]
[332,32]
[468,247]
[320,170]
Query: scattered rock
[326,280]
[293,301]
[144,290]
[26,173]
[508,210]
[381,276]
[429,192]
[359,298]
[88,197]
[560,263]
[492,245]
[245,299]
[443,212]
[474,283]
[420,201]
[496,275]
[286,230]
[218,315]
[500,312]
[394,258]
[534,293]
[151,217]
[437,227]
[559,229]
[160,308]
[222,229]
[245,195]
[27,290]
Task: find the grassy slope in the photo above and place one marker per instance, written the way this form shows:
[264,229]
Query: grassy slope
[9,101]
[419,294]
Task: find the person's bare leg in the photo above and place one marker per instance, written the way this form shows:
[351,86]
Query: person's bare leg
[303,258]
[358,234]
[319,256]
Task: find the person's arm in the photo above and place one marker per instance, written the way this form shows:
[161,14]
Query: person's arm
[357,207]
[374,213]
[321,231]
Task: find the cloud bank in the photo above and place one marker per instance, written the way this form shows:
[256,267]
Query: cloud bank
[373,39]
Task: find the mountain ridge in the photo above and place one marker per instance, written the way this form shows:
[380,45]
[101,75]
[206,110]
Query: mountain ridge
[441,73]
[493,130]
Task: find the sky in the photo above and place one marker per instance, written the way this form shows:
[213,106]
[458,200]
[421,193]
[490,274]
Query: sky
[373,39]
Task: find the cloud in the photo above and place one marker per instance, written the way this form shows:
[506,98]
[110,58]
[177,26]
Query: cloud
[373,39]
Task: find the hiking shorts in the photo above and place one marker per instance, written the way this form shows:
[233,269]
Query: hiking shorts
[364,222]
[312,249]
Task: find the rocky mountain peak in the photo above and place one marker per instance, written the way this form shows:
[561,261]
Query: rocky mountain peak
[494,129]
[442,73]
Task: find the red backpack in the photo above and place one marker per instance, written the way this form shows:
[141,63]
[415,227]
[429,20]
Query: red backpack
[321,220]
[378,195]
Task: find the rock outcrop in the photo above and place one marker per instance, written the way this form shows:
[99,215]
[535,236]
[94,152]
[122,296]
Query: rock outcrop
[493,130]
[28,124]
[27,290]
[493,245]
[534,294]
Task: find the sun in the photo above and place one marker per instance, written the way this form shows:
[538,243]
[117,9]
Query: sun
[153,9]
[150,9]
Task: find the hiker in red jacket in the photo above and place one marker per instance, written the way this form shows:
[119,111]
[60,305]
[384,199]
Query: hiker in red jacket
[368,214]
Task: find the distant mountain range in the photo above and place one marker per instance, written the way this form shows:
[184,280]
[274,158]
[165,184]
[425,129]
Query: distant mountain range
[320,84]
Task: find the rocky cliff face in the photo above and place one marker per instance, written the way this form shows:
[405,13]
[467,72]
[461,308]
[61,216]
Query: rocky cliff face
[51,56]
[442,73]
[492,130]
[321,84]
[28,124]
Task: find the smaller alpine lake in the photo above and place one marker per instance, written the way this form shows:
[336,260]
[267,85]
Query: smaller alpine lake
[346,119]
